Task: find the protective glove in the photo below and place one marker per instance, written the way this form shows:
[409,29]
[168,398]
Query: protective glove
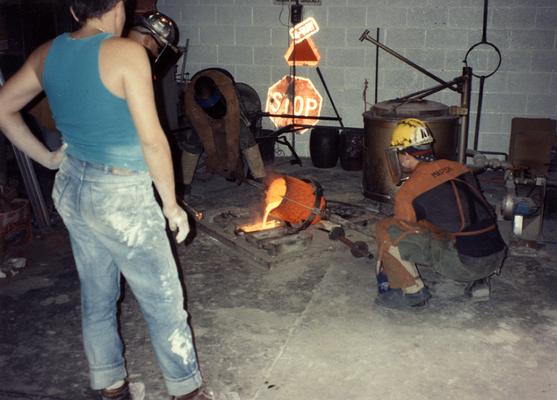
[177,219]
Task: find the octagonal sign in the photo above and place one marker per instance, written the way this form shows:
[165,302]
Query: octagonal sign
[307,102]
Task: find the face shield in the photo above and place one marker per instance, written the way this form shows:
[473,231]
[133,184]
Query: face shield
[168,57]
[165,33]
[393,165]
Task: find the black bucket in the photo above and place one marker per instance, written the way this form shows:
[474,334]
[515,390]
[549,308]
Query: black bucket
[324,146]
[351,149]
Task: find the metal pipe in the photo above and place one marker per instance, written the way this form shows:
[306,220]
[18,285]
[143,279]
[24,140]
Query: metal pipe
[484,33]
[33,189]
[365,36]
[293,116]
[197,215]
[479,113]
[329,95]
[429,91]
[31,183]
[377,68]
[466,91]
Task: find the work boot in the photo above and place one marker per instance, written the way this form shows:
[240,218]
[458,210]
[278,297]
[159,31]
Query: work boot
[128,391]
[201,393]
[398,300]
[479,290]
[120,393]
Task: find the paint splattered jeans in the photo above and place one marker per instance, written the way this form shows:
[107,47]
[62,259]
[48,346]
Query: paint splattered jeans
[117,228]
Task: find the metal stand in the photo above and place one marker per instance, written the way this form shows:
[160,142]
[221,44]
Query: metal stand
[291,92]
[294,127]
[32,187]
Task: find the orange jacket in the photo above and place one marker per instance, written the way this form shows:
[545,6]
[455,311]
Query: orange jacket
[425,177]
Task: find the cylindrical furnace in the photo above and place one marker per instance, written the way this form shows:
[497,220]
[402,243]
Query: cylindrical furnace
[379,124]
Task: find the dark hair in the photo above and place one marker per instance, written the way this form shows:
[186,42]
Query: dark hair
[85,9]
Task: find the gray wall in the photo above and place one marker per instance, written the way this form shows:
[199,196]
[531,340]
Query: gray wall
[248,38]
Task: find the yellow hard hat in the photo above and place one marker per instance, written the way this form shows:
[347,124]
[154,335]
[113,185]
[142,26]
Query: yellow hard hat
[410,132]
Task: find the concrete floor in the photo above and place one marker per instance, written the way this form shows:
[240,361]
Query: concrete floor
[305,329]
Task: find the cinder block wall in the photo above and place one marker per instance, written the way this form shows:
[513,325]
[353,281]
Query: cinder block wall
[249,38]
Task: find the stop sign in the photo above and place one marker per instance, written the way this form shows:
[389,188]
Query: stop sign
[307,101]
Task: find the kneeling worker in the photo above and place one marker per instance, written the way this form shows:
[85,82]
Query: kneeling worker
[213,108]
[441,219]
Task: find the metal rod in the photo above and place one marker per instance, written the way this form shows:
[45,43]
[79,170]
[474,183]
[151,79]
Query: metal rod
[197,215]
[31,183]
[377,67]
[365,36]
[329,95]
[466,91]
[293,92]
[284,141]
[33,189]
[484,34]
[430,90]
[479,113]
[293,116]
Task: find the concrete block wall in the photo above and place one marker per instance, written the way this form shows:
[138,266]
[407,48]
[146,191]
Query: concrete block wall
[249,38]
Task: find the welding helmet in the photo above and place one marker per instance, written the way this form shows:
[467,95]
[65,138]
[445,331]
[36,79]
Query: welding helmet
[411,136]
[208,96]
[165,33]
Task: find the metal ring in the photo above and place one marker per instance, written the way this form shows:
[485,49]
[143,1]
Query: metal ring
[494,48]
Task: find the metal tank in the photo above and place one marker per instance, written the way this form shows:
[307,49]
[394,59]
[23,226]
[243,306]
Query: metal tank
[379,123]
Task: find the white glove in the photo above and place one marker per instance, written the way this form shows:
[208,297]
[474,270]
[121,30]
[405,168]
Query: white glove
[177,218]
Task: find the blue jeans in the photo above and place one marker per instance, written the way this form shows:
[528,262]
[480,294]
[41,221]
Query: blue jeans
[117,228]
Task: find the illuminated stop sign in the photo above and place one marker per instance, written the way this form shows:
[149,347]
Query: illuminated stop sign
[307,102]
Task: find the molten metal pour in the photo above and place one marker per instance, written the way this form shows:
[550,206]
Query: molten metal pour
[274,196]
[277,193]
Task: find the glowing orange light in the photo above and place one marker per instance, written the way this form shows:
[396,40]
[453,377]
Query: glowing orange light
[307,102]
[273,198]
[304,53]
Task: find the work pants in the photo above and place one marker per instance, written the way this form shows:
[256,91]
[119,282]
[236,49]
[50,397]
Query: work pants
[117,228]
[402,245]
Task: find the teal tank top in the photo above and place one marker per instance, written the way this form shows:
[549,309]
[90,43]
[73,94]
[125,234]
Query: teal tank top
[96,125]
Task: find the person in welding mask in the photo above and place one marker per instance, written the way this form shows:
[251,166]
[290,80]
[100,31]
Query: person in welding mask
[441,220]
[159,35]
[212,105]
[100,90]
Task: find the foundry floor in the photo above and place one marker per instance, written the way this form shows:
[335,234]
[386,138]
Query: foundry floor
[304,329]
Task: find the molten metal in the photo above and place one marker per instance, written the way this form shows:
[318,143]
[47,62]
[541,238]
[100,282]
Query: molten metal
[275,195]
[290,200]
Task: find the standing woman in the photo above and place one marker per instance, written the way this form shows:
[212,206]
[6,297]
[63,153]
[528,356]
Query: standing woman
[100,92]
